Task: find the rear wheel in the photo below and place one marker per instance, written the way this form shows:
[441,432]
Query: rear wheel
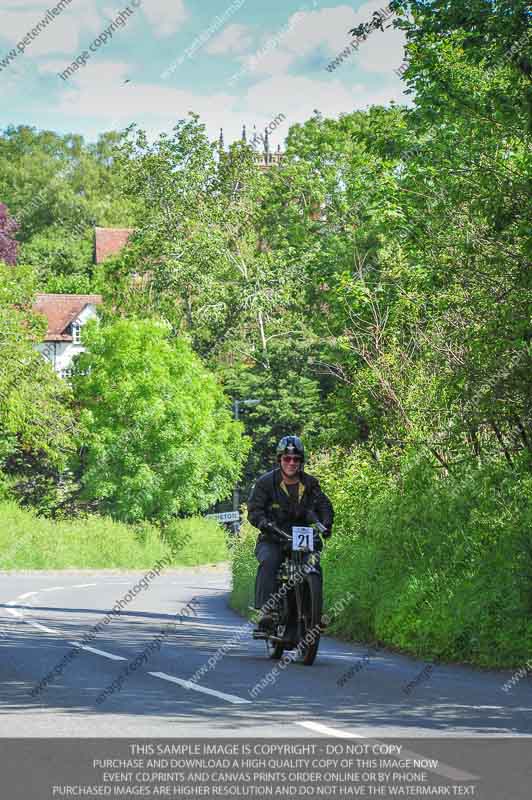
[312,602]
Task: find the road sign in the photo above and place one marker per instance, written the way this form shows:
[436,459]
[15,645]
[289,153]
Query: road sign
[225,516]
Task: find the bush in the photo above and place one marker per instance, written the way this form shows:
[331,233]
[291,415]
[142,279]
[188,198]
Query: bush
[29,542]
[243,568]
[440,567]
[157,436]
[196,541]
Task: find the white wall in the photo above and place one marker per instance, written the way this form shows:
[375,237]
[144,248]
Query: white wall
[60,354]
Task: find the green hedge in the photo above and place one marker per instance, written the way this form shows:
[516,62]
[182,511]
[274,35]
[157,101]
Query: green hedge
[31,542]
[440,567]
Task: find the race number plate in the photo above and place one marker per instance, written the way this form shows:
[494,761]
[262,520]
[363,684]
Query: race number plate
[302,538]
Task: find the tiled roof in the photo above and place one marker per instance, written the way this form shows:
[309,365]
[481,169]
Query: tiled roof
[60,310]
[109,241]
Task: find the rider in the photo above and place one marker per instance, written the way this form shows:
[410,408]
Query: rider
[285,496]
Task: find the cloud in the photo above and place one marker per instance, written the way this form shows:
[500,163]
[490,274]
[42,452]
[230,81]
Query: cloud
[166,17]
[65,33]
[96,98]
[324,31]
[52,66]
[99,99]
[10,4]
[98,90]
[298,96]
[233,39]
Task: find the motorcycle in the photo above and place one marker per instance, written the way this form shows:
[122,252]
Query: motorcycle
[297,611]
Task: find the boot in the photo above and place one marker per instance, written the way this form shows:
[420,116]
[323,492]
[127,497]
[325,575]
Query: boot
[265,624]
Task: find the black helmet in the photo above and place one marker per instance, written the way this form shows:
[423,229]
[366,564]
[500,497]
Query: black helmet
[291,445]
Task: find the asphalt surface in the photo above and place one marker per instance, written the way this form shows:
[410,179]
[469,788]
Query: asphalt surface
[44,614]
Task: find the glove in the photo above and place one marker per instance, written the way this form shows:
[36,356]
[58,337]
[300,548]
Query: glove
[269,528]
[266,526]
[327,533]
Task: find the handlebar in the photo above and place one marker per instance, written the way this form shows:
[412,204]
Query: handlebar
[317,524]
[311,515]
[279,531]
[321,528]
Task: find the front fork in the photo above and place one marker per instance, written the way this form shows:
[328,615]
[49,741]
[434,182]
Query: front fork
[299,609]
[311,564]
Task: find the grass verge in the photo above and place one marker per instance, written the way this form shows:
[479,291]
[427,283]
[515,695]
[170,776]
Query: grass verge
[30,542]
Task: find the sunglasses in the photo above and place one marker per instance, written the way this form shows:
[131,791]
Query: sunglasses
[291,459]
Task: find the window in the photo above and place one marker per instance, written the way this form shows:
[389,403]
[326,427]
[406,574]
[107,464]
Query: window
[76,332]
[48,353]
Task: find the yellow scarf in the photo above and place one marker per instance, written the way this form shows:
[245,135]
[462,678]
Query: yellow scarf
[300,490]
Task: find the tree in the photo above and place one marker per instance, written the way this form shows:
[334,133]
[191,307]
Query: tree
[8,244]
[157,435]
[62,259]
[457,367]
[36,416]
[47,179]
[201,259]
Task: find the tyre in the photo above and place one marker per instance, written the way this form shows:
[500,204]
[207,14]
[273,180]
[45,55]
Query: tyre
[312,608]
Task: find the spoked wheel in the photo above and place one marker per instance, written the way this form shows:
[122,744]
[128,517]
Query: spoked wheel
[312,607]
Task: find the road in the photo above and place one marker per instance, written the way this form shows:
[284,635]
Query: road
[44,614]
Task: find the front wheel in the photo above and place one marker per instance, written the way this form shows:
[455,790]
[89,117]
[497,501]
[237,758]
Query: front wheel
[312,602]
[276,649]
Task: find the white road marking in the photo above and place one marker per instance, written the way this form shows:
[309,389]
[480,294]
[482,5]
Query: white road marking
[319,728]
[53,589]
[220,589]
[442,769]
[83,585]
[98,652]
[28,594]
[189,620]
[350,657]
[232,698]
[41,627]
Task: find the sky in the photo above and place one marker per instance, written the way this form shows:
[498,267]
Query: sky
[233,62]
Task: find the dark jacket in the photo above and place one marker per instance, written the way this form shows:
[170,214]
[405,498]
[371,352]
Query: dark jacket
[269,501]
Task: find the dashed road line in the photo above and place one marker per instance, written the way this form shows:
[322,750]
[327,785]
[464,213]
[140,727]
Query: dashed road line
[231,698]
[318,727]
[441,769]
[41,627]
[98,652]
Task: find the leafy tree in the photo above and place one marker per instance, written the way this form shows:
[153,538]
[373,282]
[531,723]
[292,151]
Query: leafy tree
[62,259]
[36,417]
[47,179]
[201,259]
[8,244]
[158,439]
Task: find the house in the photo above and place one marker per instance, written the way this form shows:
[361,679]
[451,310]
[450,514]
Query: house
[66,314]
[109,242]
